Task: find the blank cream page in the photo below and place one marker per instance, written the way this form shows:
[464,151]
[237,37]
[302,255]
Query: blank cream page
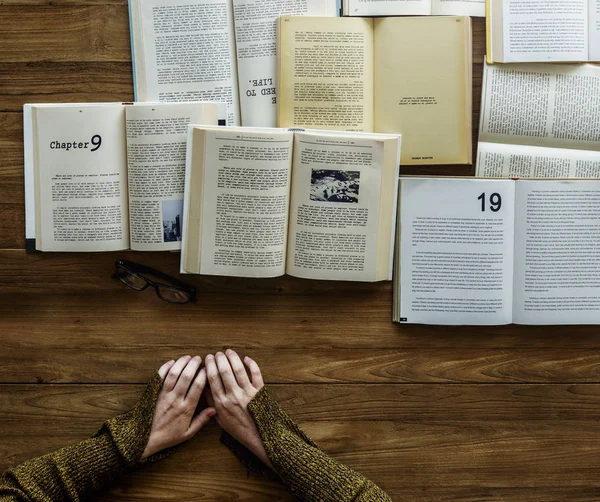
[422,87]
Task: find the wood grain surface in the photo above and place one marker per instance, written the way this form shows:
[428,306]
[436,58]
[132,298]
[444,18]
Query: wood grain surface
[506,413]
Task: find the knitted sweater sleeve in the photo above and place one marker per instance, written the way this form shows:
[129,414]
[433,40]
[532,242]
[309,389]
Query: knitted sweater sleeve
[302,466]
[76,472]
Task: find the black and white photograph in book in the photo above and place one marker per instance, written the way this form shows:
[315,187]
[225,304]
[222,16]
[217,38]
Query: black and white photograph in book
[332,185]
[172,211]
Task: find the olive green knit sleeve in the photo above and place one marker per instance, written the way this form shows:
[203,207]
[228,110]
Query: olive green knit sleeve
[76,472]
[309,472]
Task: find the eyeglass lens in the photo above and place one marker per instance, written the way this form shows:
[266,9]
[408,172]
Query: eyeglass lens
[132,280]
[172,295]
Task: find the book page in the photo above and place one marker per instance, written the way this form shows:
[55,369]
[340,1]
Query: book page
[184,50]
[335,206]
[156,146]
[423,87]
[256,43]
[594,30]
[473,8]
[388,8]
[81,177]
[497,160]
[456,251]
[541,105]
[245,202]
[325,71]
[557,257]
[549,30]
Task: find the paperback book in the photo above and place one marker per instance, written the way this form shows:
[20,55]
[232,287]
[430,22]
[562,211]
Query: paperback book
[269,202]
[540,121]
[542,31]
[394,75]
[107,176]
[484,252]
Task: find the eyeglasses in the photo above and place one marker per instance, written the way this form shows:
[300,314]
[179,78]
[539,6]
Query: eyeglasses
[134,275]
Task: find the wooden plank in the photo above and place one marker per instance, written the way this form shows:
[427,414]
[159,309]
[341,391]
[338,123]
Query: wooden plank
[131,362]
[47,82]
[458,437]
[65,34]
[25,408]
[12,192]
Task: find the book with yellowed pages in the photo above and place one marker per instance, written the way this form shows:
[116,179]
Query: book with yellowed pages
[537,32]
[540,121]
[107,176]
[490,251]
[475,8]
[395,75]
[269,202]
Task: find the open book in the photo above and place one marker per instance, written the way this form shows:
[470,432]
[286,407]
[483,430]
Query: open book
[107,176]
[213,50]
[475,8]
[521,31]
[476,251]
[540,121]
[409,76]
[312,204]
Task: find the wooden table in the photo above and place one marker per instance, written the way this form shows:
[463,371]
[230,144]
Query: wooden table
[429,413]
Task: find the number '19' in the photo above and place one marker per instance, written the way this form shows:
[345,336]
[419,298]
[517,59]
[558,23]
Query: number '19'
[495,202]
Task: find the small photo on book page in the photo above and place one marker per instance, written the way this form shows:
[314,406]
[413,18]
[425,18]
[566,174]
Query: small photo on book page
[557,252]
[456,251]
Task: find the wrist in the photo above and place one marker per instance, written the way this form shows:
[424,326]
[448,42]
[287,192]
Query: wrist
[256,447]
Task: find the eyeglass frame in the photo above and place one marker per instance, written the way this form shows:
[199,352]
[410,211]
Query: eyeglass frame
[136,269]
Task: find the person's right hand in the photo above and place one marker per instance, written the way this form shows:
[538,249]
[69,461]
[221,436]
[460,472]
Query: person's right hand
[174,415]
[230,392]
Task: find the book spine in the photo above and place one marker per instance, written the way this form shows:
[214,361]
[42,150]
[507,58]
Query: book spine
[29,179]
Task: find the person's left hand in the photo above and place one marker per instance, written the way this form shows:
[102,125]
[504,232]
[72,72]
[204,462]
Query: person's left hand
[174,421]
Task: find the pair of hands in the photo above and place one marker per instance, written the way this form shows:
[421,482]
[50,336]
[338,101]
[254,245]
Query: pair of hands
[231,389]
